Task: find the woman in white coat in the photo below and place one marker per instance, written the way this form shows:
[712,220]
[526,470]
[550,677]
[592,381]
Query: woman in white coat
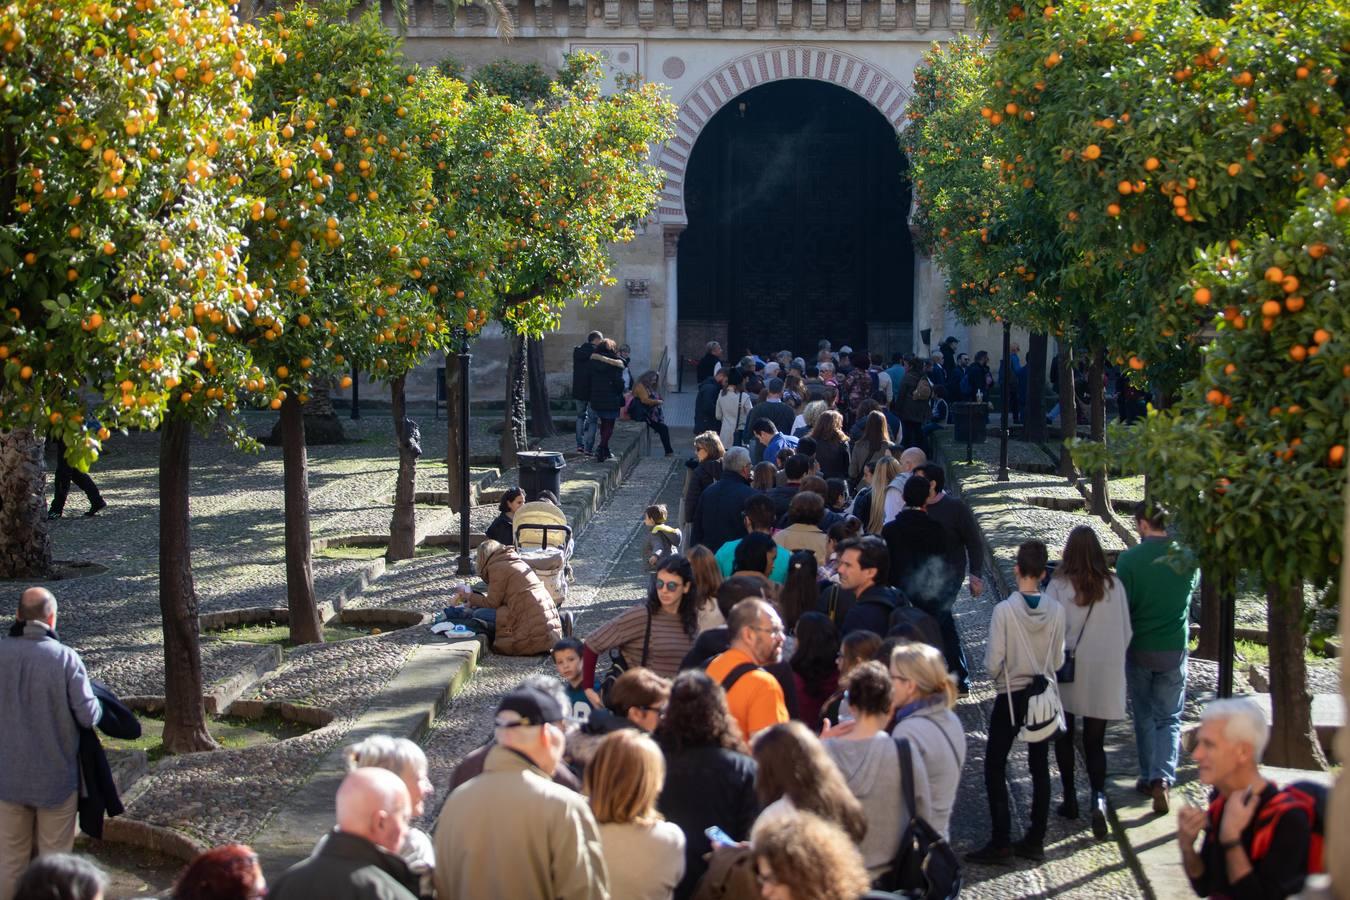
[1096,634]
[733,406]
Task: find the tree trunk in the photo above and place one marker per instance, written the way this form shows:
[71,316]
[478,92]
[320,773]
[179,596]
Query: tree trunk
[25,544]
[514,438]
[1293,742]
[306,628]
[541,417]
[1101,498]
[453,467]
[322,426]
[184,712]
[1337,852]
[1214,590]
[403,525]
[1033,417]
[1068,410]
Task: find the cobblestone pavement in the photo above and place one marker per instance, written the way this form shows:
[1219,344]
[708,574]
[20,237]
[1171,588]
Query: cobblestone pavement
[610,576]
[113,619]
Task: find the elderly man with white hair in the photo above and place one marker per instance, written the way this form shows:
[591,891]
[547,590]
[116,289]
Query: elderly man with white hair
[1257,835]
[358,860]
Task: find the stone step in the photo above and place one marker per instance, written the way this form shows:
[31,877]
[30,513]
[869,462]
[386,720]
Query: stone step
[435,672]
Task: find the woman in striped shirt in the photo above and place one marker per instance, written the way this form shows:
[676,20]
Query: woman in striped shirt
[656,634]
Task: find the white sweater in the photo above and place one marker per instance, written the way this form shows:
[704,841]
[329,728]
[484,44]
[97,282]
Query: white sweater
[1010,660]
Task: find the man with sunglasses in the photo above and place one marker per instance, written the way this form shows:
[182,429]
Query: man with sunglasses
[754,696]
[554,847]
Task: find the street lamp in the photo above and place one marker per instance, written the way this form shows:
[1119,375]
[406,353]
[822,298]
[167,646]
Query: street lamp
[465,562]
[1004,400]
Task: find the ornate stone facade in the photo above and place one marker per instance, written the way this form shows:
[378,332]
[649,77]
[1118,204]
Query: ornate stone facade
[709,52]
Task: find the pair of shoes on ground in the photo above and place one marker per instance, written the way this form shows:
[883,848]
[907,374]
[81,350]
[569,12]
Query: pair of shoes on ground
[993,854]
[98,507]
[1096,807]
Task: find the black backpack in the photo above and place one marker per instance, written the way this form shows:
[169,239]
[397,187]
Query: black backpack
[924,867]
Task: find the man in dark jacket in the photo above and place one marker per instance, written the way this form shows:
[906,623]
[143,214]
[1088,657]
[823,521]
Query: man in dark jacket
[607,388]
[864,602]
[965,553]
[359,859]
[705,402]
[919,546]
[581,391]
[719,509]
[774,409]
[794,471]
[913,408]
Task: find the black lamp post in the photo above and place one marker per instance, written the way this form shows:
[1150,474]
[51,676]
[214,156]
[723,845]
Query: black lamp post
[1004,400]
[465,562]
[356,393]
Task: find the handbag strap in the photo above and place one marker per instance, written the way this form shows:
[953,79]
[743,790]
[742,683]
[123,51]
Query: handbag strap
[946,737]
[1083,627]
[906,779]
[646,638]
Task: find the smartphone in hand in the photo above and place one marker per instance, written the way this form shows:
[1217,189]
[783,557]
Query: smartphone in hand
[718,836]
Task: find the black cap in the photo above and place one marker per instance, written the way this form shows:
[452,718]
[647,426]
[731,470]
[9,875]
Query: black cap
[532,706]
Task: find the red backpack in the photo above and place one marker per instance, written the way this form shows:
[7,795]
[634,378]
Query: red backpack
[1307,796]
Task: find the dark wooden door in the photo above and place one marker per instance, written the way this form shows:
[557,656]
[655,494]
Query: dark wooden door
[796,228]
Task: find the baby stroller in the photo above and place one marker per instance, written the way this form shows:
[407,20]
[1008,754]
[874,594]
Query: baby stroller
[544,541]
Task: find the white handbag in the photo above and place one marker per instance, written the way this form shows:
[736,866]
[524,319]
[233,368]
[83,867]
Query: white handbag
[1045,711]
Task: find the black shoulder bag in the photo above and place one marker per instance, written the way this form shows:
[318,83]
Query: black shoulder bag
[925,866]
[618,665]
[1065,673]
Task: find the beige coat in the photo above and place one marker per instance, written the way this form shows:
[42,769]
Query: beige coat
[527,619]
[802,536]
[512,833]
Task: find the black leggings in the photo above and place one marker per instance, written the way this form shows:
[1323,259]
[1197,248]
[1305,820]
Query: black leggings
[662,431]
[1094,748]
[1003,729]
[606,430]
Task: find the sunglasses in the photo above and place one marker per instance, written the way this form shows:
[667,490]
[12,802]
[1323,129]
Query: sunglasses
[670,585]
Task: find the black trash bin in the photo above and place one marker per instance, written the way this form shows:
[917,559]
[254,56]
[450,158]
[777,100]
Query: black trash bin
[971,420]
[540,470]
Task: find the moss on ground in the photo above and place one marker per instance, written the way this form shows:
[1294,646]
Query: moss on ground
[231,732]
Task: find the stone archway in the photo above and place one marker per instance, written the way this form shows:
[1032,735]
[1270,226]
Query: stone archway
[868,80]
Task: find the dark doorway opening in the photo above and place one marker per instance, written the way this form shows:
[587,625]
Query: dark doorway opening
[797,202]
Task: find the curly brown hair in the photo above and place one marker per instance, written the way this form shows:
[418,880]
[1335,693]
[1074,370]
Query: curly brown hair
[812,855]
[697,716]
[794,764]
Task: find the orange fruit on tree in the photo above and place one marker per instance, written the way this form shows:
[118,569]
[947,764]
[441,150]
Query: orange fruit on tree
[1318,250]
[1214,397]
[1270,308]
[1092,151]
[1342,206]
[1274,275]
[1203,296]
[1293,304]
[1321,336]
[1336,455]
[1125,187]
[1289,283]
[1298,353]
[1151,163]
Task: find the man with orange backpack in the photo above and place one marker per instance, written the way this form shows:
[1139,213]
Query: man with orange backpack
[1261,840]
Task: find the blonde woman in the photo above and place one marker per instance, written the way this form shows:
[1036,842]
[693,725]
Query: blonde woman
[810,414]
[923,695]
[643,852]
[883,473]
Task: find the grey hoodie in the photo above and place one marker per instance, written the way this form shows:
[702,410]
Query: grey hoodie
[872,770]
[1010,660]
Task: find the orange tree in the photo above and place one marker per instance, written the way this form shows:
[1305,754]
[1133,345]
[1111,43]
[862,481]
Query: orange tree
[1159,130]
[125,139]
[986,226]
[537,191]
[339,232]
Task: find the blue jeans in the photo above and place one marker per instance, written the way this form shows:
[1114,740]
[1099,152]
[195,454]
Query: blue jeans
[586,423]
[1157,699]
[486,616]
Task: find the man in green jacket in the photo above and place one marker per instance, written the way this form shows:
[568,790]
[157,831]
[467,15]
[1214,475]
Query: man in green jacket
[1155,667]
[359,859]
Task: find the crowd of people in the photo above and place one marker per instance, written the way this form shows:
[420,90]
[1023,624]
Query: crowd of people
[774,718]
